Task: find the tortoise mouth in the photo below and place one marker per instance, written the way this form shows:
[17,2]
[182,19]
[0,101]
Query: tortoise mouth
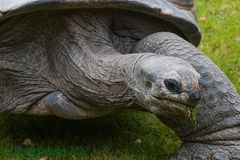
[174,107]
[173,101]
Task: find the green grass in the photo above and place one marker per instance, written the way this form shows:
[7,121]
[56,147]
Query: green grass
[221,35]
[126,135]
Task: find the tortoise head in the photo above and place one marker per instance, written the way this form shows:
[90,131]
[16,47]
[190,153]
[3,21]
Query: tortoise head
[166,86]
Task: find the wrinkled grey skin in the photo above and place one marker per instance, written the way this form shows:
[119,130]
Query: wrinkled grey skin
[82,64]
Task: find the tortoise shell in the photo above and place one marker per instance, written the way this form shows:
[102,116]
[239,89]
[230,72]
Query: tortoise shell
[181,13]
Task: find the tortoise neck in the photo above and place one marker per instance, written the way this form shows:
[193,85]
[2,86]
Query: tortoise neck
[86,65]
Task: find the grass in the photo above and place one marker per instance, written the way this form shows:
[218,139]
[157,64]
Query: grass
[221,35]
[126,135]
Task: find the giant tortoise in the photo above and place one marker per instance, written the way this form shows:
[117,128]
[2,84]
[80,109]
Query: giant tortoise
[80,59]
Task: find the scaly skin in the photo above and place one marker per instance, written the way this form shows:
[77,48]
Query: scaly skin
[215,132]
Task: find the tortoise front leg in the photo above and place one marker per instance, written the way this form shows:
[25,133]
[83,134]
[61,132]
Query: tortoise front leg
[215,132]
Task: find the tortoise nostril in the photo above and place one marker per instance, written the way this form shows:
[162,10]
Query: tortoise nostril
[148,84]
[172,85]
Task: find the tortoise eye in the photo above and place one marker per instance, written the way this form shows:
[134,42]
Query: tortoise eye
[172,85]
